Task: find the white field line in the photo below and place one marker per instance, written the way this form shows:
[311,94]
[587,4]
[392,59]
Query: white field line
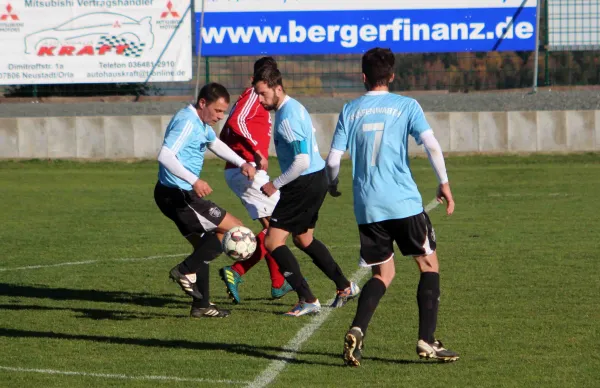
[292,347]
[120,376]
[28,267]
[528,195]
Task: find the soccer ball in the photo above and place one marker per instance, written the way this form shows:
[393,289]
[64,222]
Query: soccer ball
[239,243]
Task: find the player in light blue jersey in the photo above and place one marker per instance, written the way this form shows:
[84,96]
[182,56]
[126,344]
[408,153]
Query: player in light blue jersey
[375,129]
[180,193]
[303,187]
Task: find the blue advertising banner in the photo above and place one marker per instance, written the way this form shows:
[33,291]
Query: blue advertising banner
[278,27]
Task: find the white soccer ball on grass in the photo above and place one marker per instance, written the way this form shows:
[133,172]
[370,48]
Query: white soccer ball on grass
[239,243]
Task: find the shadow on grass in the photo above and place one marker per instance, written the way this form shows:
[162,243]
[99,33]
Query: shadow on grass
[95,314]
[272,353]
[140,299]
[263,352]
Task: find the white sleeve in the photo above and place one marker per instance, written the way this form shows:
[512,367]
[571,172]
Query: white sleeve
[334,160]
[169,160]
[436,157]
[223,151]
[301,162]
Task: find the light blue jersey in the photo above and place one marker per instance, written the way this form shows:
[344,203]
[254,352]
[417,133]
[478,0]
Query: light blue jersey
[375,129]
[187,136]
[295,134]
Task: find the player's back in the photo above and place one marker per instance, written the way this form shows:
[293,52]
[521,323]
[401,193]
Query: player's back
[377,126]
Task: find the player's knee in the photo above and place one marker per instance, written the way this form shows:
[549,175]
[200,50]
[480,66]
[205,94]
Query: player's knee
[428,263]
[388,276]
[302,241]
[271,243]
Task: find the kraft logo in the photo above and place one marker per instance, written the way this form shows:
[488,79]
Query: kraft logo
[97,33]
[169,11]
[9,14]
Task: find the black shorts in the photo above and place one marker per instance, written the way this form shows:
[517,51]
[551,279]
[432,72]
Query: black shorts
[189,212]
[414,236]
[299,203]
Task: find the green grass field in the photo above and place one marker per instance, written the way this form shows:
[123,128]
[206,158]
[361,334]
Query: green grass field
[520,284]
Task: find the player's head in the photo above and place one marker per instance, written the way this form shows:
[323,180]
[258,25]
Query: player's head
[378,67]
[213,101]
[264,61]
[268,84]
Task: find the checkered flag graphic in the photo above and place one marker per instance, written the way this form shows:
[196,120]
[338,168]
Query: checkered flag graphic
[134,49]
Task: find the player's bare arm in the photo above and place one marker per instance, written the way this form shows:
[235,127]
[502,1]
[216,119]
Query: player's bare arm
[202,188]
[444,193]
[248,170]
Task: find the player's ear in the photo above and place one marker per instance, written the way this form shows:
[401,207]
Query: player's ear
[201,103]
[392,78]
[364,77]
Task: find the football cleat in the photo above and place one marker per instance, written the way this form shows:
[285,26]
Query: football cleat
[188,287]
[211,311]
[343,296]
[303,308]
[232,280]
[353,344]
[277,293]
[435,351]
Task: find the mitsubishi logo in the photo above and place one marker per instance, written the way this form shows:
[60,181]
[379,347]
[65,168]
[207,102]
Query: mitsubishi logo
[169,11]
[9,14]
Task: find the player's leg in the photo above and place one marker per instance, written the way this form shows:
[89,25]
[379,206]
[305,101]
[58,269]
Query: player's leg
[315,193]
[170,202]
[322,258]
[203,216]
[419,242]
[287,262]
[377,252]
[259,207]
[293,215]
[279,286]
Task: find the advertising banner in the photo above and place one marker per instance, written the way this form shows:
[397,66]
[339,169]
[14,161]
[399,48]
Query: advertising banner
[278,27]
[94,41]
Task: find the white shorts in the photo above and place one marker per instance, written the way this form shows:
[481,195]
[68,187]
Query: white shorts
[257,204]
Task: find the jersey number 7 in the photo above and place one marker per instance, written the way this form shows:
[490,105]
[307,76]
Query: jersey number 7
[378,129]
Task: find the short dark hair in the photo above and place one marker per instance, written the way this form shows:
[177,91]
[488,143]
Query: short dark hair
[264,61]
[269,75]
[212,92]
[378,66]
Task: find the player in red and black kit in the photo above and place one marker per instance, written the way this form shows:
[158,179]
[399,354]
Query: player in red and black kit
[248,133]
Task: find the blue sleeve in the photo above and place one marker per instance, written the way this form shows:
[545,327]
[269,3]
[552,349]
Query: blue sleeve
[177,134]
[340,137]
[210,135]
[417,123]
[292,132]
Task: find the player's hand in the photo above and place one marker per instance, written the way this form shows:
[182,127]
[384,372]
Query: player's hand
[262,162]
[268,189]
[201,188]
[444,193]
[248,170]
[333,188]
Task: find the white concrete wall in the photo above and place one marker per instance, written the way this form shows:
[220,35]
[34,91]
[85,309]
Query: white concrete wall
[141,136]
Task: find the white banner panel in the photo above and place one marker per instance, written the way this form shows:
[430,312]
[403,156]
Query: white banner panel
[95,41]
